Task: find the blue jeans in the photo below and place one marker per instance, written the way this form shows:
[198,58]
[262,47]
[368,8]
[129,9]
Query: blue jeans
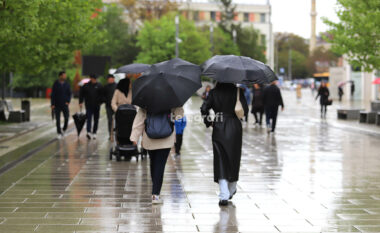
[226,189]
[92,112]
[271,114]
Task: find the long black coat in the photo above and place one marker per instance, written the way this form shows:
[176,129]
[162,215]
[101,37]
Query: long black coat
[227,130]
[323,94]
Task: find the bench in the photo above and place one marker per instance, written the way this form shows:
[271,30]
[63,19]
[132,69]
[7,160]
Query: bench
[2,111]
[349,114]
[16,116]
[367,117]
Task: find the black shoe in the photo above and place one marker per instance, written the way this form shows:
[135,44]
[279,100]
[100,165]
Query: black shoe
[232,195]
[223,203]
[89,136]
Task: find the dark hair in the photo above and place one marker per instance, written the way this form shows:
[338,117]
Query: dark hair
[61,72]
[110,76]
[93,76]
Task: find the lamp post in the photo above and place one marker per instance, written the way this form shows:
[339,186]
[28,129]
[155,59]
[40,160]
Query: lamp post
[177,36]
[212,38]
[234,34]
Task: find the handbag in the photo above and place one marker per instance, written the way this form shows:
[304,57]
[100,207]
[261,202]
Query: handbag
[329,102]
[239,111]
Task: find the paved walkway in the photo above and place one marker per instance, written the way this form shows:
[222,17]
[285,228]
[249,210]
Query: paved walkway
[313,175]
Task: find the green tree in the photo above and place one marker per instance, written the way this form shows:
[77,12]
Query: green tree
[227,15]
[324,57]
[358,33]
[250,44]
[40,34]
[157,41]
[222,41]
[117,41]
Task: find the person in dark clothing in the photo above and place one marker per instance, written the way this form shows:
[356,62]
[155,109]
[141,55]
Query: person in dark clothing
[206,93]
[272,99]
[226,136]
[340,93]
[91,95]
[257,104]
[352,88]
[323,94]
[108,91]
[180,126]
[60,100]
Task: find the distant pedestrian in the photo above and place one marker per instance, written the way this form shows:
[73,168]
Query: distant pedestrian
[91,95]
[247,95]
[323,94]
[180,126]
[206,92]
[299,91]
[123,94]
[272,100]
[158,149]
[60,100]
[340,93]
[352,88]
[257,103]
[108,92]
[226,136]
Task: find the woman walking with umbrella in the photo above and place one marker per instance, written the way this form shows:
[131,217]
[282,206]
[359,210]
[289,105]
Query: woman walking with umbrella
[160,93]
[227,101]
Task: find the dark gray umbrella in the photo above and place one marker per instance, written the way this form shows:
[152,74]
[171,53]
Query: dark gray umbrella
[237,69]
[132,69]
[166,85]
[79,121]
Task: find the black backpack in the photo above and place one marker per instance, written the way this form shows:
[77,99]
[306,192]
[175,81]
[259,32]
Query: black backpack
[158,125]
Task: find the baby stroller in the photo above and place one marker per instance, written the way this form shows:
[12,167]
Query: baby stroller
[123,147]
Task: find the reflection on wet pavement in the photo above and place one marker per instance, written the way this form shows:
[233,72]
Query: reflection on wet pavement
[309,177]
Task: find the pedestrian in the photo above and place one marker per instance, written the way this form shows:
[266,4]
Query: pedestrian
[60,100]
[247,95]
[340,93]
[91,94]
[323,94]
[158,149]
[272,100]
[108,92]
[352,88]
[257,103]
[299,91]
[123,94]
[180,126]
[226,136]
[206,92]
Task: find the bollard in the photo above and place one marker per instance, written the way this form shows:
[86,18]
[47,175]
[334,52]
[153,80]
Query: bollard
[25,105]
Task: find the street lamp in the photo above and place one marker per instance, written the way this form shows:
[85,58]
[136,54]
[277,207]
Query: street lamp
[234,34]
[212,38]
[177,39]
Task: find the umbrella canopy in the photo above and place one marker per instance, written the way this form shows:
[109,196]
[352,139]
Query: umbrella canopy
[376,81]
[166,85]
[237,69]
[83,81]
[132,69]
[79,121]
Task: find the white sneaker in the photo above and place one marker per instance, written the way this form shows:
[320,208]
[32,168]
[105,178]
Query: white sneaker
[89,135]
[94,136]
[156,200]
[59,136]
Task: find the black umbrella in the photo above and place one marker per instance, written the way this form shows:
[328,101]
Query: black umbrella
[133,69]
[237,69]
[166,85]
[79,120]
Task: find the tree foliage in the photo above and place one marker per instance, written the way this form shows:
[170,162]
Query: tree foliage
[117,42]
[358,33]
[321,59]
[250,45]
[157,41]
[222,41]
[41,34]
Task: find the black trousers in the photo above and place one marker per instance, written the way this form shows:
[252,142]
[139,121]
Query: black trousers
[323,109]
[158,160]
[92,112]
[109,117]
[65,111]
[258,114]
[271,114]
[178,143]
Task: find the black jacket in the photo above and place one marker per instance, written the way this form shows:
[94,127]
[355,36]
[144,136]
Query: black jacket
[272,97]
[258,99]
[91,94]
[323,93]
[61,94]
[108,91]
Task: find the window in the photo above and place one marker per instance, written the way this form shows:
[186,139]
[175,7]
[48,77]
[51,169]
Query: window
[246,17]
[262,18]
[196,16]
[213,15]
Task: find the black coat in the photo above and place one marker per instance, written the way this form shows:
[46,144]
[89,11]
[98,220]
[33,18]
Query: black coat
[108,91]
[257,99]
[272,97]
[227,131]
[91,94]
[323,94]
[61,94]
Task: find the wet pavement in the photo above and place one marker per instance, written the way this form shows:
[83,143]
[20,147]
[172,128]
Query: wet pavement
[313,175]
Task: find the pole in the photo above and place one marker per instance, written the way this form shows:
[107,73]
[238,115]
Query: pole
[277,68]
[212,38]
[234,35]
[177,36]
[290,64]
[10,84]
[3,88]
